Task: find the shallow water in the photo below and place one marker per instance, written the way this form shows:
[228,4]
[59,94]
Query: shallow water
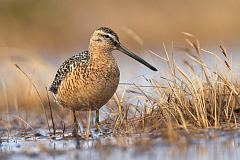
[208,145]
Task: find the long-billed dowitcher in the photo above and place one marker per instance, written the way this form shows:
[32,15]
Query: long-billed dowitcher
[86,81]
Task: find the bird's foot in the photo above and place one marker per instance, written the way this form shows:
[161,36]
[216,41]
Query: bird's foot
[75,130]
[98,128]
[101,130]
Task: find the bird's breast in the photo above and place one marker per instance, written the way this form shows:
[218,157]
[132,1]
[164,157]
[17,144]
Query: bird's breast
[91,87]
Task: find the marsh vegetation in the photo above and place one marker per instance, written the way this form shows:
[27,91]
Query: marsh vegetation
[186,102]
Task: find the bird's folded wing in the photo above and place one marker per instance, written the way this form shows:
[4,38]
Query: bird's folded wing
[68,66]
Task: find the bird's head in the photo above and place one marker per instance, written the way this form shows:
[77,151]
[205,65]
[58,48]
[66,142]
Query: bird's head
[106,39]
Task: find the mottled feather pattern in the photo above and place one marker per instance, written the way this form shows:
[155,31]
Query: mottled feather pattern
[90,87]
[79,60]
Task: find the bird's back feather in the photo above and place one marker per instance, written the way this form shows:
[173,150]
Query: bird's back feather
[79,60]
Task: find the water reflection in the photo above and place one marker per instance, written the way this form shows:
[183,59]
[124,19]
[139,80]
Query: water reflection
[212,144]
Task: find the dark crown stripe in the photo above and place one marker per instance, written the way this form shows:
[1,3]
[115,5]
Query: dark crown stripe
[109,31]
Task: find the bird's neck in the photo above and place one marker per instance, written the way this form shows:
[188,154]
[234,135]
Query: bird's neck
[98,52]
[102,58]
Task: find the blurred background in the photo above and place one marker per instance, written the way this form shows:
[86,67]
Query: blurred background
[59,26]
[40,35]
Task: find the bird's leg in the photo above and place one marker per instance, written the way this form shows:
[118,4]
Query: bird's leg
[88,123]
[75,130]
[97,121]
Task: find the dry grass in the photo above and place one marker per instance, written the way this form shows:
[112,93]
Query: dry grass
[194,98]
[189,97]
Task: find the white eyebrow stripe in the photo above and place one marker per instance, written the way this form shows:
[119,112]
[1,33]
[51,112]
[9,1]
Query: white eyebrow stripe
[113,37]
[110,35]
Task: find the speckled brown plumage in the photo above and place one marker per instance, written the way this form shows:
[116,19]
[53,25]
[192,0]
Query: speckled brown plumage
[88,80]
[89,86]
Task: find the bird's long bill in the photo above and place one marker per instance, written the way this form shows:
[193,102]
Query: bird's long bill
[134,56]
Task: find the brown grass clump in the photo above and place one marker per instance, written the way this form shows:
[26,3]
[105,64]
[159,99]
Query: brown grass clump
[197,97]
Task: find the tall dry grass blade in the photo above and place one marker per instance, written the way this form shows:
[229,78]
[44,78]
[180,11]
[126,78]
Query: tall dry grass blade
[214,54]
[162,58]
[228,66]
[173,60]
[228,106]
[188,34]
[215,108]
[197,61]
[203,102]
[188,79]
[189,42]
[134,35]
[119,115]
[196,46]
[168,61]
[35,87]
[188,65]
[51,114]
[224,51]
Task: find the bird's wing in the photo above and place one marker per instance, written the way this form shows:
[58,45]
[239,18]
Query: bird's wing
[66,67]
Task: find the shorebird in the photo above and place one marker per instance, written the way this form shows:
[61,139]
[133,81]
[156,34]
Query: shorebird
[86,81]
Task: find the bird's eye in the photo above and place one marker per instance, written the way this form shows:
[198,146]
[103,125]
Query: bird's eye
[106,36]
